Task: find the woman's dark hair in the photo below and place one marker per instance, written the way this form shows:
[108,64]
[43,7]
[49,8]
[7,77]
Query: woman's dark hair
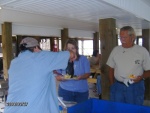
[95,53]
[73,42]
[24,48]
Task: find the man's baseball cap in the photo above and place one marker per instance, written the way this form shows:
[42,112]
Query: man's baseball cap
[30,42]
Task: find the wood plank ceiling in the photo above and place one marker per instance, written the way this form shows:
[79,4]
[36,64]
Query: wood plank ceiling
[83,11]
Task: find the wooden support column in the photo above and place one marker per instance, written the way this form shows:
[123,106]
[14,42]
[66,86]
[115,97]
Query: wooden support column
[6,47]
[108,42]
[117,39]
[19,38]
[52,43]
[38,38]
[146,44]
[146,38]
[64,37]
[57,43]
[96,41]
[0,38]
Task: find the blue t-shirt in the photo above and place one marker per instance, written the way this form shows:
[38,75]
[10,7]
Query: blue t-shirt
[81,67]
[31,81]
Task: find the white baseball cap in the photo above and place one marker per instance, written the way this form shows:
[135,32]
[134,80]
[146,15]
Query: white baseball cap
[30,42]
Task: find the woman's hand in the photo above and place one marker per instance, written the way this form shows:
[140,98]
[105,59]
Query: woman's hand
[79,77]
[85,76]
[59,77]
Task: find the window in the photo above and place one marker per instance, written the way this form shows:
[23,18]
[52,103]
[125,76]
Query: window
[45,44]
[60,44]
[99,47]
[85,47]
[140,41]
[80,45]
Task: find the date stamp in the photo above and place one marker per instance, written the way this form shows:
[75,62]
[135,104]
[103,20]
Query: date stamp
[16,103]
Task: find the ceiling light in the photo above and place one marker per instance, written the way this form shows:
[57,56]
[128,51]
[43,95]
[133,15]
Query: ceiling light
[0,7]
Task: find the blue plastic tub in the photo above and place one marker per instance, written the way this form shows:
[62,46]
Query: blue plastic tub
[103,106]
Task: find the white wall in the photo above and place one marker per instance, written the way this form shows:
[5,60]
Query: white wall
[80,33]
[47,31]
[35,30]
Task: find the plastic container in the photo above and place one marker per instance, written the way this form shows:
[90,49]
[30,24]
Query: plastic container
[103,106]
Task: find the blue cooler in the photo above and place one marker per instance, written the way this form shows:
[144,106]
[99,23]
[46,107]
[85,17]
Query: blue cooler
[104,106]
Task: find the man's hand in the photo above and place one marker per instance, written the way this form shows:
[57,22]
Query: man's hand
[138,78]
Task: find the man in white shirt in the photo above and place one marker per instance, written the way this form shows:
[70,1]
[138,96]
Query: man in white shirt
[128,65]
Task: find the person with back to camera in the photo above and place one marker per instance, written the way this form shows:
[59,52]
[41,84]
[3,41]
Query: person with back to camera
[129,65]
[32,86]
[75,89]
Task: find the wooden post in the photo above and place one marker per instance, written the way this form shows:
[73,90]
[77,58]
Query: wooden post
[146,44]
[38,38]
[19,38]
[6,47]
[64,37]
[108,42]
[146,38]
[0,38]
[96,41]
[57,39]
[52,43]
[116,39]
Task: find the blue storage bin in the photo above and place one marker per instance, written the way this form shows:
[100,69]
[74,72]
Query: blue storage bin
[104,106]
